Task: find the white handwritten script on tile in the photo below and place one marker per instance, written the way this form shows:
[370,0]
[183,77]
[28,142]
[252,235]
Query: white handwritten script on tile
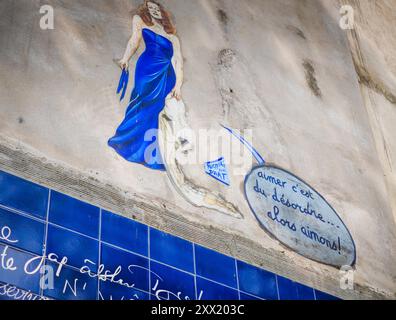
[73,285]
[298,216]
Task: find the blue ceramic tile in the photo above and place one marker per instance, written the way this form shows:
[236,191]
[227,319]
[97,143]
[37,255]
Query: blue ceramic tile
[74,214]
[171,284]
[290,290]
[21,232]
[15,274]
[287,289]
[215,266]
[324,296]
[171,250]
[257,282]
[76,248]
[207,290]
[128,269]
[113,291]
[72,285]
[23,195]
[124,233]
[305,293]
[248,297]
[12,293]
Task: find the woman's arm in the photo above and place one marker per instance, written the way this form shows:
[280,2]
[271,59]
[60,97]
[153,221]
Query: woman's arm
[133,43]
[178,59]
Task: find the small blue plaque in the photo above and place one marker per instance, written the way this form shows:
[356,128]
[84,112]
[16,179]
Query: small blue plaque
[218,170]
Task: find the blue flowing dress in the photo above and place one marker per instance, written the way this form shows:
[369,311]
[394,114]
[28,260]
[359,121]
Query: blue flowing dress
[136,139]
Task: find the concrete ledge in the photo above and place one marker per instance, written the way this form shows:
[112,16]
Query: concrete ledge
[29,165]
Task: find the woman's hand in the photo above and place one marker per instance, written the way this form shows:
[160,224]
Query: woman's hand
[176,93]
[123,64]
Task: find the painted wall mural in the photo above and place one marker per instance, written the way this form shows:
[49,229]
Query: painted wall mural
[156,115]
[158,77]
[199,118]
[153,131]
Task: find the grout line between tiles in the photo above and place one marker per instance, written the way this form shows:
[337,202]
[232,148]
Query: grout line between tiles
[99,251]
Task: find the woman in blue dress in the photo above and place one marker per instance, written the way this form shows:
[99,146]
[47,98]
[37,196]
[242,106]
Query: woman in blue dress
[158,76]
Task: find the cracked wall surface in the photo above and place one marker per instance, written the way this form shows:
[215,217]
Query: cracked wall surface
[254,64]
[373,47]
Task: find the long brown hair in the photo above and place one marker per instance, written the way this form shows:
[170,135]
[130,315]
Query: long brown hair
[166,20]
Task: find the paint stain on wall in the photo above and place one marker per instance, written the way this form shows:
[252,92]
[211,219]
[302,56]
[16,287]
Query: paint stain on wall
[222,16]
[297,31]
[226,58]
[310,76]
[225,61]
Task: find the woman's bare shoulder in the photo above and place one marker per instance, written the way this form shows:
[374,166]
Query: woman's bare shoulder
[137,20]
[174,38]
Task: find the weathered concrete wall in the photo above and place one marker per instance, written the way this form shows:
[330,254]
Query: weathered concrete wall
[282,68]
[373,53]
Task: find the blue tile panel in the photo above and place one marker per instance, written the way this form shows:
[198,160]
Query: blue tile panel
[74,215]
[23,195]
[215,266]
[324,296]
[125,268]
[290,290]
[113,291]
[11,293]
[71,284]
[93,254]
[171,250]
[208,290]
[171,284]
[124,233]
[79,250]
[257,282]
[12,269]
[248,297]
[21,232]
